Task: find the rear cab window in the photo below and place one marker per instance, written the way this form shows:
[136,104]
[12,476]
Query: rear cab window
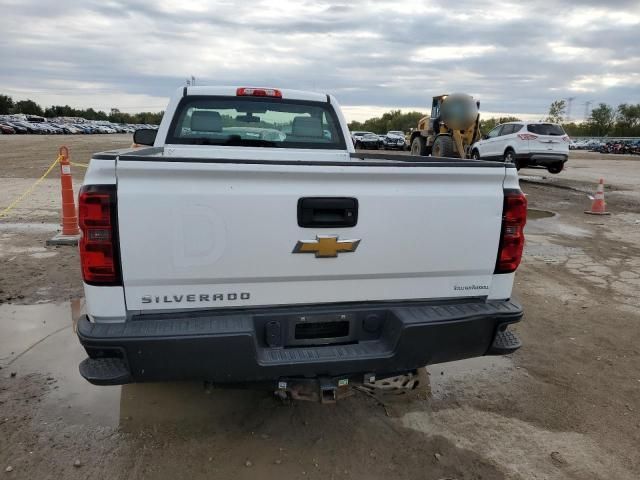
[546,129]
[255,122]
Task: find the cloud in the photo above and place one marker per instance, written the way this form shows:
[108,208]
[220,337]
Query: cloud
[516,58]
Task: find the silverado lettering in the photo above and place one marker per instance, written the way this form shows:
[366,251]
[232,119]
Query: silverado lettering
[470,287]
[202,297]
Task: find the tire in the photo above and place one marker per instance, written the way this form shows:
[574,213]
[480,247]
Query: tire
[419,146]
[556,168]
[358,146]
[509,156]
[442,146]
[475,154]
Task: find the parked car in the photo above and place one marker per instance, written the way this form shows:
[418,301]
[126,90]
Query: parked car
[525,144]
[355,136]
[366,140]
[54,129]
[627,147]
[30,127]
[394,140]
[7,129]
[42,129]
[16,127]
[593,145]
[65,127]
[84,127]
[39,125]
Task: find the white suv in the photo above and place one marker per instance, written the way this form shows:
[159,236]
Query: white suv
[526,144]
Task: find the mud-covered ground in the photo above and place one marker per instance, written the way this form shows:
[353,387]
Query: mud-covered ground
[566,405]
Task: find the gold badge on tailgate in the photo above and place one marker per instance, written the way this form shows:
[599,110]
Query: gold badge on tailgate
[325,246]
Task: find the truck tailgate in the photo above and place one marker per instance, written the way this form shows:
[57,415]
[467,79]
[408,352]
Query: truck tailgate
[205,234]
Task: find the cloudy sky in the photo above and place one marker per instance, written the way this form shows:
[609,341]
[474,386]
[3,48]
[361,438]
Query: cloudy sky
[372,55]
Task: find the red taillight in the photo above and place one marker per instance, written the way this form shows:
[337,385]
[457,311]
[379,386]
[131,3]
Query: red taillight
[98,245]
[514,218]
[566,138]
[258,92]
[527,136]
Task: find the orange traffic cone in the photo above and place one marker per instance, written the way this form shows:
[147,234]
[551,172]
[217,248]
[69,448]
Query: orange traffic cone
[70,231]
[69,214]
[598,207]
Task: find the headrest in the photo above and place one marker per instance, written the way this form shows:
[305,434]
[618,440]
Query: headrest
[307,127]
[206,121]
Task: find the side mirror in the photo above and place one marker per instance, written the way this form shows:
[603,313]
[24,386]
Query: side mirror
[145,136]
[484,137]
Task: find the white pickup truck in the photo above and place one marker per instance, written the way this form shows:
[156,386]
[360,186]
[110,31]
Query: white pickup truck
[250,243]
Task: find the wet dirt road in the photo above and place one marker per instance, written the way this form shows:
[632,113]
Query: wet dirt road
[564,406]
[52,419]
[488,418]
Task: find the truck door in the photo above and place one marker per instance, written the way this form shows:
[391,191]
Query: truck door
[489,147]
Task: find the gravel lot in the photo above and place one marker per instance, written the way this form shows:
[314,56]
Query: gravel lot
[564,406]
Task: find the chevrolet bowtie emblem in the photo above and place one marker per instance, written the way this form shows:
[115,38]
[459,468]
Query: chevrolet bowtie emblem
[326,246]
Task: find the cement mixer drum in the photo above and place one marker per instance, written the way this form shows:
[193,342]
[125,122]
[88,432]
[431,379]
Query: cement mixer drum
[459,111]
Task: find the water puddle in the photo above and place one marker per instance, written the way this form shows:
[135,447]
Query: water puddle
[40,339]
[546,222]
[535,214]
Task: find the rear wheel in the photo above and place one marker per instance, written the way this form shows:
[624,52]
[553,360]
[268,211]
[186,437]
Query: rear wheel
[556,167]
[442,146]
[419,146]
[509,156]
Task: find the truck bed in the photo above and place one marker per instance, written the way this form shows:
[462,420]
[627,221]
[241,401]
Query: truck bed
[359,158]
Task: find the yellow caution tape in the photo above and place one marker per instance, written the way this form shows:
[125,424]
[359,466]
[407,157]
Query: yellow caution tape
[83,165]
[30,189]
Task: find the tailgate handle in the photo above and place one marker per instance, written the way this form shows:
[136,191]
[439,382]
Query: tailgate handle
[327,212]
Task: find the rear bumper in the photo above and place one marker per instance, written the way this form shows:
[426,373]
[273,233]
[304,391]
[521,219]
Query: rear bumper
[543,158]
[251,346]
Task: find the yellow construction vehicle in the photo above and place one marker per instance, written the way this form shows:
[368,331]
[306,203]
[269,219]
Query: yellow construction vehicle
[450,130]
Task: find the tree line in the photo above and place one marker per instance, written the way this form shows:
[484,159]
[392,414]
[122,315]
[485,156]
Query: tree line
[392,120]
[28,107]
[623,121]
[604,120]
[396,120]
